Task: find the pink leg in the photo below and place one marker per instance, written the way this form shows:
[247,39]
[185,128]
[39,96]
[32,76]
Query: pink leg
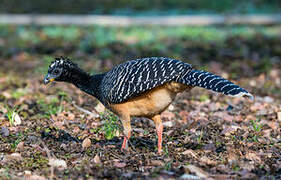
[127,132]
[125,142]
[159,129]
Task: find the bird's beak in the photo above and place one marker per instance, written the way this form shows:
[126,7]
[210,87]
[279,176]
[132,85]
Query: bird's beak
[48,79]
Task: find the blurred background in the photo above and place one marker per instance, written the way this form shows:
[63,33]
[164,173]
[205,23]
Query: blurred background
[237,39]
[139,7]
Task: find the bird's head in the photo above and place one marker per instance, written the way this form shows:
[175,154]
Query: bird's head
[60,70]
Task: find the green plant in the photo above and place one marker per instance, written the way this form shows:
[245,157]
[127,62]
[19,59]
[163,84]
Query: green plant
[199,138]
[236,168]
[5,173]
[17,141]
[166,151]
[54,107]
[204,97]
[257,128]
[110,127]
[168,165]
[11,114]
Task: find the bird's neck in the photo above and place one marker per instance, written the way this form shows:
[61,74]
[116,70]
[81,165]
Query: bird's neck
[86,82]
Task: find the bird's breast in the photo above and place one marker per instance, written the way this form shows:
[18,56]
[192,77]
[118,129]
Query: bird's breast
[150,103]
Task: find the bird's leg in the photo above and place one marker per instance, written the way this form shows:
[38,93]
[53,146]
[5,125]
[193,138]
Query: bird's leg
[159,129]
[127,131]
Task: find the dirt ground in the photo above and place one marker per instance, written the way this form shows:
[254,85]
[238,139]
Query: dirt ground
[59,132]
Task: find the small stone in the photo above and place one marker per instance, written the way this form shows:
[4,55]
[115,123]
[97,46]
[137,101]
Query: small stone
[86,143]
[4,131]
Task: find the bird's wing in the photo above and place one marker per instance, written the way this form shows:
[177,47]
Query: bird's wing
[131,78]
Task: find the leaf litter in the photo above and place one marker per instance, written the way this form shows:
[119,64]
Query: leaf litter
[206,136]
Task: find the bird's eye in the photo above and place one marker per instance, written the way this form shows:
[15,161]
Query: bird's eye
[56,71]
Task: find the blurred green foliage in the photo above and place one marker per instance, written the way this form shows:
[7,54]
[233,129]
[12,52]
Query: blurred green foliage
[140,7]
[101,36]
[256,46]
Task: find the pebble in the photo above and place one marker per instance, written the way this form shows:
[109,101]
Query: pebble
[4,131]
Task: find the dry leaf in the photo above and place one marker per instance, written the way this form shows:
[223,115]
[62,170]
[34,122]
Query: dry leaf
[17,119]
[224,115]
[27,173]
[57,163]
[253,157]
[86,143]
[119,165]
[184,116]
[20,146]
[35,177]
[196,170]
[76,130]
[168,124]
[232,157]
[59,124]
[168,115]
[207,161]
[71,116]
[6,94]
[157,163]
[29,176]
[189,152]
[100,107]
[273,125]
[189,176]
[13,157]
[97,159]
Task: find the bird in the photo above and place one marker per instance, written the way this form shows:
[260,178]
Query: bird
[143,87]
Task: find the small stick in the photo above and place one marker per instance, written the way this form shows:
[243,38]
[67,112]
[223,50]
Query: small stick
[85,110]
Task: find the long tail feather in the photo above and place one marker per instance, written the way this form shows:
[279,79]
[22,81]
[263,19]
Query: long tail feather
[213,82]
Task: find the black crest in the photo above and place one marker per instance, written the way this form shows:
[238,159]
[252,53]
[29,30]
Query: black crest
[62,62]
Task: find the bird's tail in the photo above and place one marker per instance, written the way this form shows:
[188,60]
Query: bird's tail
[213,82]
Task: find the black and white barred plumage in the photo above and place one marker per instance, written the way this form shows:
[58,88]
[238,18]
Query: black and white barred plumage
[134,77]
[213,82]
[137,76]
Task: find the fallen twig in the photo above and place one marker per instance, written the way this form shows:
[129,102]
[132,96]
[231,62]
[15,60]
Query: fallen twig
[85,111]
